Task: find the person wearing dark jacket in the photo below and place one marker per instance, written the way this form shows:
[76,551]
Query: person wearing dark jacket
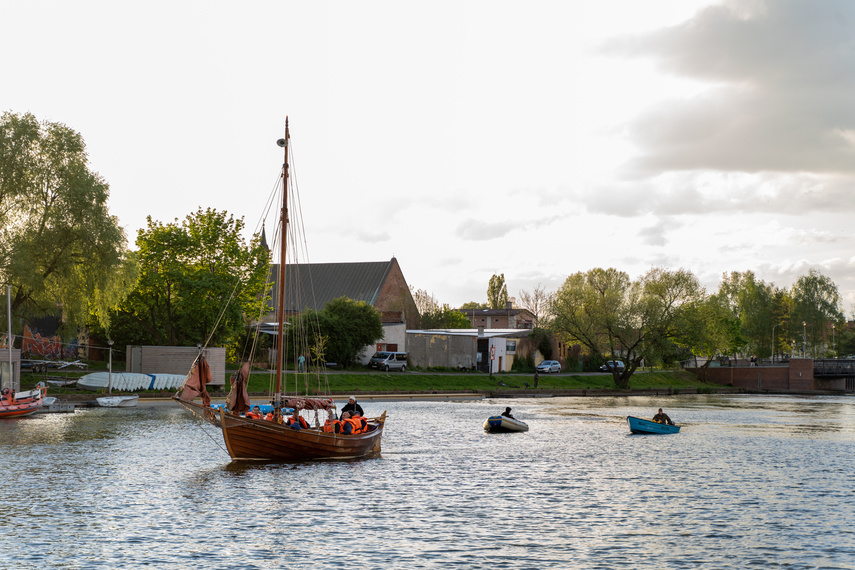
[662,418]
[507,413]
[352,407]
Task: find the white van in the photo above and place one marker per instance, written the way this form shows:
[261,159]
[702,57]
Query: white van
[387,361]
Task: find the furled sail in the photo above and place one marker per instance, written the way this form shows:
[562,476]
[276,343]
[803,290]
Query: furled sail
[196,381]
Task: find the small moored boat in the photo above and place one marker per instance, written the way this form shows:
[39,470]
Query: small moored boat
[20,404]
[638,425]
[118,401]
[504,424]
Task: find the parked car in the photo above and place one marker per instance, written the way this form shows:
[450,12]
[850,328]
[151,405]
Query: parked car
[614,364]
[386,361]
[548,366]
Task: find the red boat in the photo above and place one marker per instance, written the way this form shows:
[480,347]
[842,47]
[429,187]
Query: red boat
[17,405]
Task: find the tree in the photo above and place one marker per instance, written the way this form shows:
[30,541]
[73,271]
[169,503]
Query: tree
[497,292]
[445,318]
[474,305]
[613,316]
[537,302]
[816,306]
[346,327]
[425,302]
[59,245]
[707,328]
[198,279]
[751,301]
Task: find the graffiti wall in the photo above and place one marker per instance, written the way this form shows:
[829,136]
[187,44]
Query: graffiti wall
[34,345]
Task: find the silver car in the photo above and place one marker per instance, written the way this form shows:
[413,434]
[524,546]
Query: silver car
[548,366]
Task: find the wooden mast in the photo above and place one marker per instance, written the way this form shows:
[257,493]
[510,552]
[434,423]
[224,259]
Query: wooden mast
[280,311]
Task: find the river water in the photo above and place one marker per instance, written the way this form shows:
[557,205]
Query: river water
[749,481]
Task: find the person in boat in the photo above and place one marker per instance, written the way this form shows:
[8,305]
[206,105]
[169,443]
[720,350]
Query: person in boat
[352,407]
[361,422]
[662,418]
[346,426]
[507,414]
[254,413]
[298,422]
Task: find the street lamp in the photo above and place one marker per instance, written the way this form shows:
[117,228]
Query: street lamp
[832,340]
[804,339]
[773,340]
[110,368]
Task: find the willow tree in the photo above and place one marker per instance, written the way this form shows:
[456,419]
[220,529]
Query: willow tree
[816,306]
[60,248]
[613,316]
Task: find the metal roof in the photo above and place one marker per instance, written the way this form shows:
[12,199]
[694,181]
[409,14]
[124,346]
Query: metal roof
[313,285]
[487,333]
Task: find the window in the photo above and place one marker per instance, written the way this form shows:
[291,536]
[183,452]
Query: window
[511,346]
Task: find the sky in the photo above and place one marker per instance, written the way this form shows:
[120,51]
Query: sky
[470,138]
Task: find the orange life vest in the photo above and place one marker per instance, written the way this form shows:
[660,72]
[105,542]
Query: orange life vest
[301,420]
[253,415]
[357,425]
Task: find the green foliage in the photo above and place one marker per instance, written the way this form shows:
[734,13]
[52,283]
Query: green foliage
[816,306]
[523,364]
[611,315]
[541,340]
[59,245]
[445,318]
[474,305]
[197,280]
[338,333]
[497,292]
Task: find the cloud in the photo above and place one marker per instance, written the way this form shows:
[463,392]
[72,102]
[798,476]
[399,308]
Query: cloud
[371,237]
[653,235]
[780,76]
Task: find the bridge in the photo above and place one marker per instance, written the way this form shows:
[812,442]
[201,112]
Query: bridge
[836,368]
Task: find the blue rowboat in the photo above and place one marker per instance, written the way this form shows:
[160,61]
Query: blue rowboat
[638,425]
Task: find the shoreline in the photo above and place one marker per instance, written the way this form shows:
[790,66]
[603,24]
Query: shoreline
[88,400]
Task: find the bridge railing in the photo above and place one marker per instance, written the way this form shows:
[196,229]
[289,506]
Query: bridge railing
[834,367]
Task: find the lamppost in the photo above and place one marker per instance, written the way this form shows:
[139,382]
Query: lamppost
[110,368]
[832,340]
[804,339]
[773,340]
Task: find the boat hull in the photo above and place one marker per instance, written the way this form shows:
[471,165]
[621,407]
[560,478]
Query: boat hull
[247,439]
[502,424]
[639,425]
[19,410]
[118,401]
[23,404]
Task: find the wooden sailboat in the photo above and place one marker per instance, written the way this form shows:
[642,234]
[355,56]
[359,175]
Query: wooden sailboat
[249,439]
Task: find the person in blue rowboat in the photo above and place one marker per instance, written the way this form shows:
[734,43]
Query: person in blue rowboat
[662,418]
[507,413]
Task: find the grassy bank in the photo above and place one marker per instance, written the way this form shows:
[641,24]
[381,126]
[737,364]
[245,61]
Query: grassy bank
[427,382]
[356,382]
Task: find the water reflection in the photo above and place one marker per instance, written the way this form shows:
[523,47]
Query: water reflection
[749,480]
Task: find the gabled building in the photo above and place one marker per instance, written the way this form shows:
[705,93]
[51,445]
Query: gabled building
[380,284]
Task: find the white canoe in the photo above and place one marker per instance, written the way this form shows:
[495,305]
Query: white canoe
[503,424]
[129,381]
[118,401]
